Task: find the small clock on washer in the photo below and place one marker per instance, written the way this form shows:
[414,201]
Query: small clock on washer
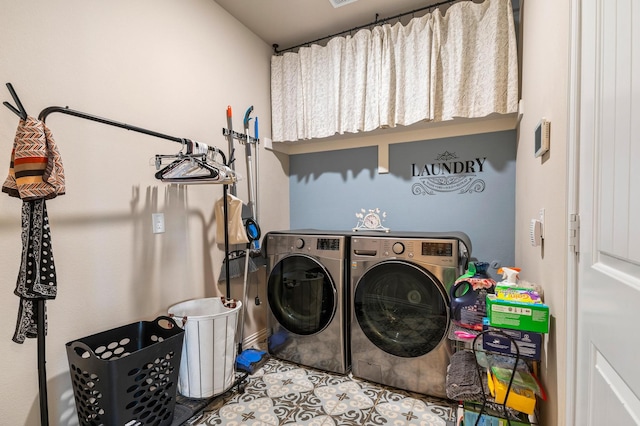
[370,221]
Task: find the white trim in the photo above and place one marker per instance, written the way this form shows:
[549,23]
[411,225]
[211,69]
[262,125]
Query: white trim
[256,340]
[573,175]
[415,132]
[382,138]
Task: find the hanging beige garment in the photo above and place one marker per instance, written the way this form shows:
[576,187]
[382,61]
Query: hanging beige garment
[237,233]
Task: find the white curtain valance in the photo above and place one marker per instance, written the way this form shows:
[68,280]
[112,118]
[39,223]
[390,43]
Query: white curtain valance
[436,68]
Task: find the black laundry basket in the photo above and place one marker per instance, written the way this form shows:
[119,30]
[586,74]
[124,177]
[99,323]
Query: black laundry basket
[127,375]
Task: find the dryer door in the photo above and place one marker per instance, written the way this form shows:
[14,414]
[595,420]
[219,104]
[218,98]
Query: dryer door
[302,295]
[401,308]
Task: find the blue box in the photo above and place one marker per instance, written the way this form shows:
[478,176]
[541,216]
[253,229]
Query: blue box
[529,343]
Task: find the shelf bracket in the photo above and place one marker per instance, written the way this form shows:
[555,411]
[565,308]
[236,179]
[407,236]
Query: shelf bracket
[383,158]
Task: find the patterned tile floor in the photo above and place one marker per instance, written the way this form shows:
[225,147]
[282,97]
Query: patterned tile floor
[285,394]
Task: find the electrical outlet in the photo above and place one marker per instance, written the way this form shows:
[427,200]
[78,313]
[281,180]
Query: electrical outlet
[157,221]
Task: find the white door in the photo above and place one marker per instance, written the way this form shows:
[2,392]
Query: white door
[608,345]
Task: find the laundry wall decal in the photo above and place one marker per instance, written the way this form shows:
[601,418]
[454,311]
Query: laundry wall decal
[448,173]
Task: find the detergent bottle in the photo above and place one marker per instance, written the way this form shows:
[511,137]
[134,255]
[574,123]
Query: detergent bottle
[468,296]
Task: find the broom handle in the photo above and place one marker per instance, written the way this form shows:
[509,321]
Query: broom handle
[244,299]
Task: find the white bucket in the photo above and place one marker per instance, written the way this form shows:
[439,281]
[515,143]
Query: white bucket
[207,367]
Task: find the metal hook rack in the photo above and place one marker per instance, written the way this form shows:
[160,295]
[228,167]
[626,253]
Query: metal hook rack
[20,111]
[241,137]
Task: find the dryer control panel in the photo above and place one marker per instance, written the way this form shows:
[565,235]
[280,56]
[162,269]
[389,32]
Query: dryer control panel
[435,252]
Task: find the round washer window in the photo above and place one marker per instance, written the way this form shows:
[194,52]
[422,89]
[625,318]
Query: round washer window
[301,294]
[401,308]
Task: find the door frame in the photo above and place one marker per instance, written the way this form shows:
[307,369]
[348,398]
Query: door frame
[573,207]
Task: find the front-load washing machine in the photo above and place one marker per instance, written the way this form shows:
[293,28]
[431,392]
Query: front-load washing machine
[307,291]
[400,298]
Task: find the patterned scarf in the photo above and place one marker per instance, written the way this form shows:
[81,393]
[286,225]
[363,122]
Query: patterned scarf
[35,175]
[35,170]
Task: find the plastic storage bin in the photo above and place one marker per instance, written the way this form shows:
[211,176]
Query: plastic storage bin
[128,375]
[207,367]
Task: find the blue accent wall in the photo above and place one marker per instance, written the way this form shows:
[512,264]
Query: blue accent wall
[464,183]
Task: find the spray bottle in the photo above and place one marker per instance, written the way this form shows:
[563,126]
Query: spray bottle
[509,277]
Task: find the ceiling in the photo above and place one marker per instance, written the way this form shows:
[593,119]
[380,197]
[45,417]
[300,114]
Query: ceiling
[288,23]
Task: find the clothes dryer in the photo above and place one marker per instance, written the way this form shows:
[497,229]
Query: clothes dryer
[308,314]
[400,298]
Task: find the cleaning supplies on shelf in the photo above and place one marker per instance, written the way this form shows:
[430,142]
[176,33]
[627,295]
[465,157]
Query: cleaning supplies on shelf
[518,294]
[517,315]
[468,296]
[517,304]
[521,379]
[512,284]
[512,290]
[523,391]
[504,340]
[509,276]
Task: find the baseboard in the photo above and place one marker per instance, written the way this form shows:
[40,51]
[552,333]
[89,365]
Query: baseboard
[256,340]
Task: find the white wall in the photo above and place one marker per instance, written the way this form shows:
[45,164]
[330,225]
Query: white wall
[542,182]
[170,66]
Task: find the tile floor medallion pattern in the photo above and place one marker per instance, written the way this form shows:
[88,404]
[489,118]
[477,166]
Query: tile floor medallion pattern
[285,394]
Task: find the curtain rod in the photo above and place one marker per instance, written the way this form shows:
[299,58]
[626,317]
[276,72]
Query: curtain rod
[376,22]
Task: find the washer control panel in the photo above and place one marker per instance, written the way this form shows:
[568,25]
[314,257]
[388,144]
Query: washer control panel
[326,246]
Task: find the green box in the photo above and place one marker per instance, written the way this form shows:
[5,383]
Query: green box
[517,316]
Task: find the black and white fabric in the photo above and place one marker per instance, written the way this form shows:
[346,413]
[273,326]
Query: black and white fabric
[37,275]
[35,174]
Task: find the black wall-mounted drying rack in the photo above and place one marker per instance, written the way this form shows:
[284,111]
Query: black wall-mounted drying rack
[22,113]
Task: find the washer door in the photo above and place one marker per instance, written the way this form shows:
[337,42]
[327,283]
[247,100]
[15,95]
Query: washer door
[401,308]
[302,295]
